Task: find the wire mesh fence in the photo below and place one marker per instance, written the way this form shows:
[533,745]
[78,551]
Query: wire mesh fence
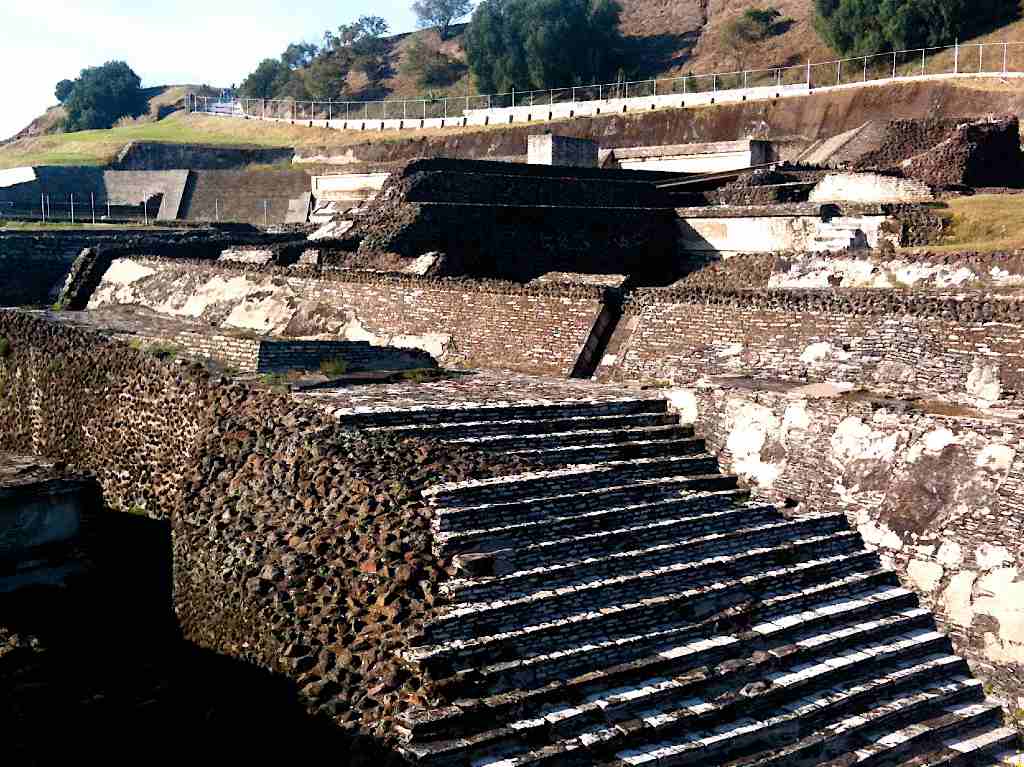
[84,209]
[976,58]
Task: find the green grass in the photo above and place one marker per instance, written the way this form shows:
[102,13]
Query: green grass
[983,222]
[334,367]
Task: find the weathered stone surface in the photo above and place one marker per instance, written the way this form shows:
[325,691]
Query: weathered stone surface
[289,530]
[937,495]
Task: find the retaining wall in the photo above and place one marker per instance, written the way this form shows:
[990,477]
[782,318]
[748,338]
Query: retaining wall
[941,496]
[536,329]
[239,196]
[273,508]
[154,155]
[965,347]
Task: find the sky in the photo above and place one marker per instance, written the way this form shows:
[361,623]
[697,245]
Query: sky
[214,42]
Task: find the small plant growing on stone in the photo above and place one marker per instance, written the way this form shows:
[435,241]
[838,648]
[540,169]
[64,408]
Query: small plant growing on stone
[5,347]
[163,351]
[334,367]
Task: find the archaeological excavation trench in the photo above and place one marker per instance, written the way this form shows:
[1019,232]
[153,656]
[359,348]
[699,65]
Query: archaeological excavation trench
[528,465]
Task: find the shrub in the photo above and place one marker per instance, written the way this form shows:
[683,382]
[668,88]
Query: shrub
[334,367]
[425,63]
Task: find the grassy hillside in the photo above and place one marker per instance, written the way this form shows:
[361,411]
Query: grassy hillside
[664,38]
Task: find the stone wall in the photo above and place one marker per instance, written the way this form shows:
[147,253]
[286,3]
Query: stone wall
[300,546]
[32,268]
[548,149]
[869,187]
[248,196]
[964,346]
[939,495]
[902,271]
[537,329]
[154,155]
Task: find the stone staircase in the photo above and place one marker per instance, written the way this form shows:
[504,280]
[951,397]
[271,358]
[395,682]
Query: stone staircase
[635,606]
[838,234]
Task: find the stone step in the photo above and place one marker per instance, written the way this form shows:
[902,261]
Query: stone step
[885,746]
[980,745]
[471,412]
[624,652]
[559,548]
[571,480]
[575,455]
[611,664]
[644,614]
[825,722]
[608,589]
[550,528]
[698,491]
[716,723]
[714,552]
[682,672]
[583,436]
[513,428]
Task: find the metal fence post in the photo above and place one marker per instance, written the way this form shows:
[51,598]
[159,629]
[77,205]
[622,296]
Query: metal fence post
[808,74]
[922,62]
[1006,50]
[92,204]
[865,69]
[894,65]
[72,208]
[839,71]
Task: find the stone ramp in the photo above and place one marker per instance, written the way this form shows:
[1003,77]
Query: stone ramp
[642,609]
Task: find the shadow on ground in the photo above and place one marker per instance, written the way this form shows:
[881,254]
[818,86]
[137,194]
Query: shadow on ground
[98,673]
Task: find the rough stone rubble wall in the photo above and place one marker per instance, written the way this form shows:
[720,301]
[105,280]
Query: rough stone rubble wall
[965,347]
[299,545]
[941,497]
[540,329]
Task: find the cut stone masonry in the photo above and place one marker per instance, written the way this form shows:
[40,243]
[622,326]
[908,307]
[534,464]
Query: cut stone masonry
[635,606]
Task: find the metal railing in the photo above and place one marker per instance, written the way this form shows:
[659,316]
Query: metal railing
[79,208]
[89,208]
[975,58]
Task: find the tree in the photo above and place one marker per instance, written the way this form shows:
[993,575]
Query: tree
[543,43]
[299,55]
[325,78]
[63,90]
[440,13]
[103,95]
[269,77]
[865,27]
[364,44]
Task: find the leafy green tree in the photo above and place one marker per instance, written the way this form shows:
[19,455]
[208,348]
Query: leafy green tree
[103,95]
[63,90]
[864,27]
[264,82]
[299,55]
[543,43]
[364,44]
[325,77]
[440,13]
